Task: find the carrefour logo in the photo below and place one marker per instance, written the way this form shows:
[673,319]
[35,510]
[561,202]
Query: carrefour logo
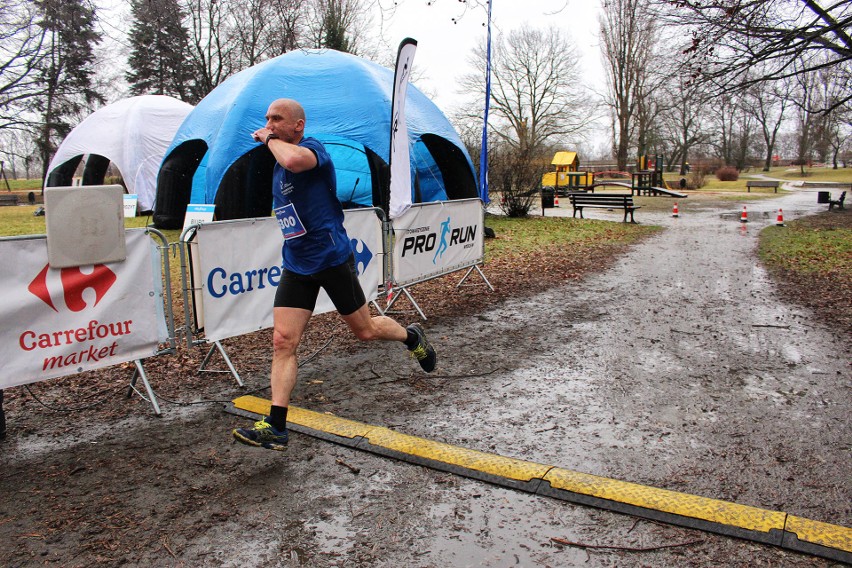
[74,284]
[424,240]
[70,343]
[362,256]
[221,283]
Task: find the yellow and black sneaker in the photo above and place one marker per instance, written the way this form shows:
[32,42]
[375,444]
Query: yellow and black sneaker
[423,350]
[262,435]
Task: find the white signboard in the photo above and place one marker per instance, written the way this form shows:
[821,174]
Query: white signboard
[197,214]
[130,203]
[436,238]
[400,157]
[62,321]
[240,268]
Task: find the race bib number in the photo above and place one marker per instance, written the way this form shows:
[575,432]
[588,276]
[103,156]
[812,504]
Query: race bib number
[288,220]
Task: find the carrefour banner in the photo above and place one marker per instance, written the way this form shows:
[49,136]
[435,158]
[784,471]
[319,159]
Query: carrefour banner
[62,321]
[431,239]
[241,267]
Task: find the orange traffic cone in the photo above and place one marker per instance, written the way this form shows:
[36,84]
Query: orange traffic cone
[780,221]
[744,216]
[674,210]
[555,199]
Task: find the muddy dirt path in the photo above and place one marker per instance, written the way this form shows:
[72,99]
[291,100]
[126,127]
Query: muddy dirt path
[679,368]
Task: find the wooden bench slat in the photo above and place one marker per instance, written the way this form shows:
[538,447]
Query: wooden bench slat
[762,183]
[601,201]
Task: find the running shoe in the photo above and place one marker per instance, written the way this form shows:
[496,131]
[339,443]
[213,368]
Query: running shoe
[423,351]
[262,435]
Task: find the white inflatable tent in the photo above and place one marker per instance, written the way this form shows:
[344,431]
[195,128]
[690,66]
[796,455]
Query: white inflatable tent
[132,133]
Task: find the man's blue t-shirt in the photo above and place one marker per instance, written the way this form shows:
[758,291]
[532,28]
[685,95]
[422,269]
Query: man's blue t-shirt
[310,214]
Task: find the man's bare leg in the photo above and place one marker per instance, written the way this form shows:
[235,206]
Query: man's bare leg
[371,328]
[288,326]
[368,328]
[271,432]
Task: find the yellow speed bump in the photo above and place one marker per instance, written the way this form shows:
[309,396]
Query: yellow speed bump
[326,426]
[818,538]
[679,508]
[480,465]
[723,517]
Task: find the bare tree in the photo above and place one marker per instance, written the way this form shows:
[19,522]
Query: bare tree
[684,121]
[733,125]
[767,104]
[807,97]
[627,43]
[725,41]
[537,100]
[338,24]
[263,29]
[21,54]
[828,134]
[211,48]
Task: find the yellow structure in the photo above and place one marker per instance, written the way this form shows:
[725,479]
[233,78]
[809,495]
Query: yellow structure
[566,161]
[567,176]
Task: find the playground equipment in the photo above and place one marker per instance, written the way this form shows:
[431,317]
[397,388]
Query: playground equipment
[567,176]
[648,181]
[567,180]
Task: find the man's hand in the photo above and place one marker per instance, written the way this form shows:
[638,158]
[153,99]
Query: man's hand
[260,134]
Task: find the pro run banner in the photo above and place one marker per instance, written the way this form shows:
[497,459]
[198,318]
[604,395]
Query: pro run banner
[240,265]
[431,239]
[62,321]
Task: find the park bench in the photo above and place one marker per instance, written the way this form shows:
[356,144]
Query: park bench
[838,202]
[761,183]
[603,201]
[8,199]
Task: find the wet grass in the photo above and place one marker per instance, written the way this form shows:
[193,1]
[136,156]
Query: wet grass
[737,189]
[19,220]
[531,234]
[25,185]
[840,175]
[819,244]
[811,260]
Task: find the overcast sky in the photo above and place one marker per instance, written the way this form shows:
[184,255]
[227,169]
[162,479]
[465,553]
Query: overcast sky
[444,47]
[446,31]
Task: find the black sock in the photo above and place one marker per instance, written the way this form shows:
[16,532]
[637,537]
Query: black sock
[412,340]
[278,417]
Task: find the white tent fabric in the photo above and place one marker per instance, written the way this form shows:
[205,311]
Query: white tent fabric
[133,134]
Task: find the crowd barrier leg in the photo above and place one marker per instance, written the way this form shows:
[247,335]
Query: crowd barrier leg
[399,292]
[469,270]
[232,369]
[138,372]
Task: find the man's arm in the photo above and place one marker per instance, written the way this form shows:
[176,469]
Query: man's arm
[292,158]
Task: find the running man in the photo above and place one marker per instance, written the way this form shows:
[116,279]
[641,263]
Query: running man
[316,254]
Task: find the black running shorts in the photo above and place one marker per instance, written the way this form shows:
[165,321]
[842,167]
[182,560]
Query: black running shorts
[340,283]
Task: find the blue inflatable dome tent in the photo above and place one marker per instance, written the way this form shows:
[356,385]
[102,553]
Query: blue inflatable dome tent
[347,100]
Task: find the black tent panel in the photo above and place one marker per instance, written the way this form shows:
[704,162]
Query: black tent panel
[63,175]
[246,188]
[174,184]
[95,170]
[458,177]
[380,174]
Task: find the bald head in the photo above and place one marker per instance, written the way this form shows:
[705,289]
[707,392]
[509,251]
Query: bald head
[288,108]
[286,119]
